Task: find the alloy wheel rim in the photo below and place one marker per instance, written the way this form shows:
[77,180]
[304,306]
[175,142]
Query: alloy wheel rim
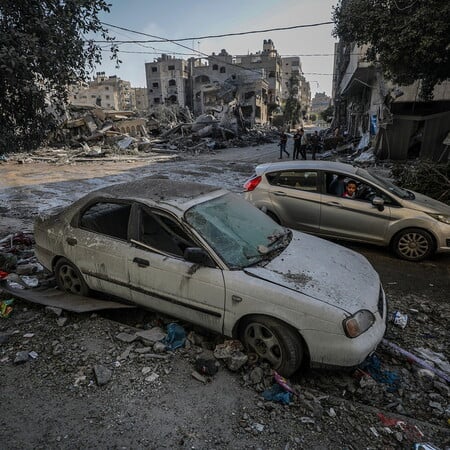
[264,343]
[413,245]
[70,281]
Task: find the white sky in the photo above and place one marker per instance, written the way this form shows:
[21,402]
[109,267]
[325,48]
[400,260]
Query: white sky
[173,19]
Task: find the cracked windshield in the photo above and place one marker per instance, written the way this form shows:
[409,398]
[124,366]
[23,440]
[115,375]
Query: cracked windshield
[240,234]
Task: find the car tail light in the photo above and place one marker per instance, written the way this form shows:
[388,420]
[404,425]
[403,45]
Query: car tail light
[251,184]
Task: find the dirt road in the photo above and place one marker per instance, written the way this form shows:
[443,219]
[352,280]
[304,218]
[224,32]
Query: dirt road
[53,401]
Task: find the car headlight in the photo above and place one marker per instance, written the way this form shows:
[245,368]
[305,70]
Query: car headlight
[358,323]
[441,217]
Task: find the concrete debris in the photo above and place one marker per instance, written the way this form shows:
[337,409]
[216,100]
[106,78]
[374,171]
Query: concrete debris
[102,374]
[93,133]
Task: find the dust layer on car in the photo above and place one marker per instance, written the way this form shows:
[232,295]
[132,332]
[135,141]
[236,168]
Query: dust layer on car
[157,189]
[300,278]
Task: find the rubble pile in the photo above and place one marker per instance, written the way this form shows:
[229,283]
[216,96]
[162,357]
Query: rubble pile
[432,179]
[146,356]
[90,132]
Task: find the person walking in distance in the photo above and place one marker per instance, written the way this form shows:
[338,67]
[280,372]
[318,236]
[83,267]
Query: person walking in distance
[303,143]
[297,139]
[282,144]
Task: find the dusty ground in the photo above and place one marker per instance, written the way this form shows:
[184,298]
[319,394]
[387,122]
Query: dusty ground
[54,401]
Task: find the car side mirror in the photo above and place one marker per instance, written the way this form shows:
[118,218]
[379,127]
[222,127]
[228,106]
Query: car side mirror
[379,203]
[198,255]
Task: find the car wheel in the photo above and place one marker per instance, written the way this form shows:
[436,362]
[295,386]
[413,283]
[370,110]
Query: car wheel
[273,217]
[69,278]
[413,244]
[274,342]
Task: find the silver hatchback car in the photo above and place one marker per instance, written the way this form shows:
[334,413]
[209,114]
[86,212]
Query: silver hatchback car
[338,200]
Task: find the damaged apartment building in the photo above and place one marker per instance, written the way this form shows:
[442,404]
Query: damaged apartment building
[247,85]
[110,93]
[399,123]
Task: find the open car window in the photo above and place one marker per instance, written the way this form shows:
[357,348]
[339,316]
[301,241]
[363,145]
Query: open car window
[162,233]
[110,219]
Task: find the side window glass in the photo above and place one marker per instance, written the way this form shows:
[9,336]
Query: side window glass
[163,234]
[106,218]
[302,180]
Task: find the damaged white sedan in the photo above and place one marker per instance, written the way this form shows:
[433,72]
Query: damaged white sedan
[207,256]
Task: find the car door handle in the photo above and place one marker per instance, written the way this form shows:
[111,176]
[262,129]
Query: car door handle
[141,262]
[337,204]
[280,194]
[71,241]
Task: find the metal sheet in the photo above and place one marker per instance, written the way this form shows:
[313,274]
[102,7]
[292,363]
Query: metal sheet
[69,302]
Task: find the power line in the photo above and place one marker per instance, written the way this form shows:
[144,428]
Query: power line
[159,39]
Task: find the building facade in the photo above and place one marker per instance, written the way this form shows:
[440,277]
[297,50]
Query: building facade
[108,92]
[400,123]
[270,62]
[167,81]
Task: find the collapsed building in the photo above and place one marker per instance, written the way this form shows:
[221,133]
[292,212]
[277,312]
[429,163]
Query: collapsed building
[395,119]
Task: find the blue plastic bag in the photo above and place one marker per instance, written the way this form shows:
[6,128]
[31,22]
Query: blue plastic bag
[176,336]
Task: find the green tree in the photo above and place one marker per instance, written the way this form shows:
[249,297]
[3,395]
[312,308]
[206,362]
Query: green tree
[409,38]
[327,114]
[292,108]
[44,47]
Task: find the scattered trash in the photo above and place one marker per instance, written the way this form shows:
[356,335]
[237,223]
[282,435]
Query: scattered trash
[438,359]
[206,366]
[31,282]
[396,350]
[277,394]
[400,319]
[33,354]
[372,367]
[283,383]
[424,446]
[6,308]
[231,352]
[411,432]
[176,336]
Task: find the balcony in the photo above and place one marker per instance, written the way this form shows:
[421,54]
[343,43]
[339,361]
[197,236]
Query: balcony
[357,73]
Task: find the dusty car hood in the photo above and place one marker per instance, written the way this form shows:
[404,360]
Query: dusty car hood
[325,271]
[427,204]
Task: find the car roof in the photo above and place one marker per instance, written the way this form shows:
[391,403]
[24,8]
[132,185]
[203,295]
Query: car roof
[151,190]
[306,165]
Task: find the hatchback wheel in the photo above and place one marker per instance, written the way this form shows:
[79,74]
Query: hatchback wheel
[413,244]
[274,342]
[69,278]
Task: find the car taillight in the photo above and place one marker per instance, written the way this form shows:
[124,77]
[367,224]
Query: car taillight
[251,184]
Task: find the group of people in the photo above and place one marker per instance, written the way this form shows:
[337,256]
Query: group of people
[300,144]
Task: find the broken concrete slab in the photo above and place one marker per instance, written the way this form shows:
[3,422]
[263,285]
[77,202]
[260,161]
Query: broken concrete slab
[153,335]
[69,302]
